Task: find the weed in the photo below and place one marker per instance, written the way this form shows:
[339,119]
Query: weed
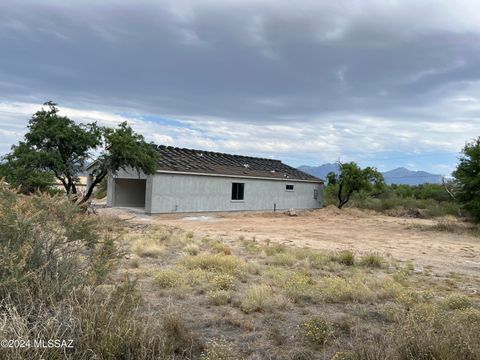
[345,257]
[457,302]
[260,298]
[336,289]
[317,330]
[218,349]
[221,248]
[299,287]
[191,249]
[372,260]
[219,297]
[283,259]
[222,281]
[272,249]
[149,247]
[168,278]
[217,263]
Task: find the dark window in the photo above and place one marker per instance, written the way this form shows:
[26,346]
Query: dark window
[289,187]
[237,191]
[315,194]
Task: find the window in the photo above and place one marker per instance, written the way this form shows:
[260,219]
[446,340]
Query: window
[289,187]
[315,194]
[237,191]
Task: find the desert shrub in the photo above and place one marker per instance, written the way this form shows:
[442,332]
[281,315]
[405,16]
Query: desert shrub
[251,246]
[275,248]
[103,324]
[191,249]
[194,277]
[392,312]
[317,330]
[54,264]
[217,263]
[222,281]
[177,338]
[457,302]
[430,333]
[148,247]
[220,247]
[48,247]
[336,289]
[260,298]
[283,259]
[344,257]
[219,297]
[189,235]
[409,298]
[218,349]
[299,287]
[372,260]
[169,278]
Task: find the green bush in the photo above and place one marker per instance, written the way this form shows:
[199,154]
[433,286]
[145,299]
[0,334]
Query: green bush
[344,257]
[49,247]
[54,264]
[372,260]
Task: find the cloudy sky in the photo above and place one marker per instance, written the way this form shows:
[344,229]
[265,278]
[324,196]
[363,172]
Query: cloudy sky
[385,83]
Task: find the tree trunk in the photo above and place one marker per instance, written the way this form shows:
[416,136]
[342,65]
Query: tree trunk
[89,192]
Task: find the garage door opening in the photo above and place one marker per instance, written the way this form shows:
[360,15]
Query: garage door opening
[130,193]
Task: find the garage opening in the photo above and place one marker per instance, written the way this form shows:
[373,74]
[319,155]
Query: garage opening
[130,193]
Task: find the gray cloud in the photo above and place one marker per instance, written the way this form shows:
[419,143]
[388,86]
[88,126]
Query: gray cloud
[308,65]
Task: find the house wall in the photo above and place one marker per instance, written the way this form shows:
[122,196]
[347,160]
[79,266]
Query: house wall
[195,193]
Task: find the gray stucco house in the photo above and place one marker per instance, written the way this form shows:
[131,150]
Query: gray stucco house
[196,181]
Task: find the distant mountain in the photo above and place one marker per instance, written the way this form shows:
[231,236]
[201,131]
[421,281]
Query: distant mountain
[400,175]
[320,171]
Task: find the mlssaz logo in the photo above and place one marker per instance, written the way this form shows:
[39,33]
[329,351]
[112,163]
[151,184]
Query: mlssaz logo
[53,343]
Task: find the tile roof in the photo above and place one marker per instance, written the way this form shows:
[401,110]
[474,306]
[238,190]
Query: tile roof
[199,161]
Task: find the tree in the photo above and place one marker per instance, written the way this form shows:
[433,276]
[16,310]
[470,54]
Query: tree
[53,146]
[17,170]
[57,147]
[123,149]
[467,178]
[354,179]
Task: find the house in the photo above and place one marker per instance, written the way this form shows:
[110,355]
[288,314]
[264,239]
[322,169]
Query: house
[196,181]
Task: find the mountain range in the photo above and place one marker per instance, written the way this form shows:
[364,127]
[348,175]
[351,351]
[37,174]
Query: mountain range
[399,175]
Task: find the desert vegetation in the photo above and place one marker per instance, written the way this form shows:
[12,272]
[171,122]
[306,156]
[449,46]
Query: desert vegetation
[122,290]
[251,299]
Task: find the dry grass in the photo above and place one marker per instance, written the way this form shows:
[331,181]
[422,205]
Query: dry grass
[268,298]
[243,298]
[261,298]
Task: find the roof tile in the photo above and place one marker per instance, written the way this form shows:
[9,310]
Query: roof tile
[199,161]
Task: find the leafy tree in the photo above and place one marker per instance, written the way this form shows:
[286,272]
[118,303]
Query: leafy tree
[123,149]
[467,177]
[57,147]
[354,179]
[17,171]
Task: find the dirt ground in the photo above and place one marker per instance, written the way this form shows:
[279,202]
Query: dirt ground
[403,239]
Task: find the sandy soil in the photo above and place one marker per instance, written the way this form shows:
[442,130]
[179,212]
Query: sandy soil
[331,229]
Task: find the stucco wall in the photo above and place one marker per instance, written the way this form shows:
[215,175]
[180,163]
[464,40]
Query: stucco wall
[193,193]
